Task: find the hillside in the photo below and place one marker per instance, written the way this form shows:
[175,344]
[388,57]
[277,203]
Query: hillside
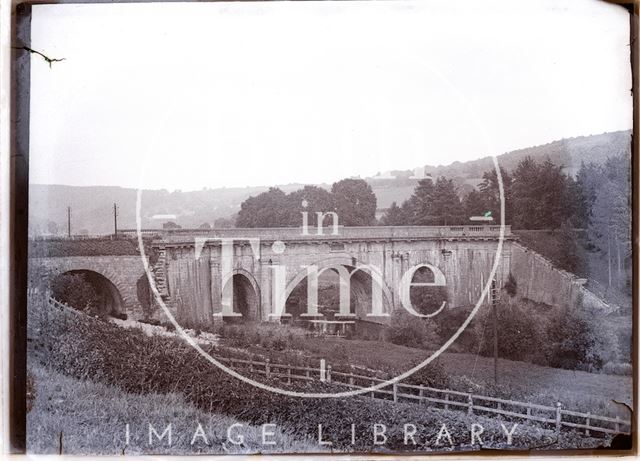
[569,152]
[92,207]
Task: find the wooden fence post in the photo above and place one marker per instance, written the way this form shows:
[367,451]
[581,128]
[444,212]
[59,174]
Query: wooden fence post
[395,392]
[587,432]
[328,373]
[558,416]
[288,374]
[446,399]
[617,424]
[350,379]
[470,409]
[421,394]
[267,368]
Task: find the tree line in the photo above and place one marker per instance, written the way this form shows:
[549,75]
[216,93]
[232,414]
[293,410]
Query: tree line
[537,195]
[351,199]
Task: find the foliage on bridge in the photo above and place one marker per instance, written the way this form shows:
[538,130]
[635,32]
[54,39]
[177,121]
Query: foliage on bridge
[85,247]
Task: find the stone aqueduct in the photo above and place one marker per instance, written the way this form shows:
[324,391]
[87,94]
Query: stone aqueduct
[193,277]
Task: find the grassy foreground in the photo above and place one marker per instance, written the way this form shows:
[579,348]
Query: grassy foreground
[91,418]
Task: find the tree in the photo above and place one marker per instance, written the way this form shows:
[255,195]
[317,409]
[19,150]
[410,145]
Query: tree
[569,253]
[224,223]
[394,216]
[204,225]
[316,200]
[268,209]
[588,180]
[420,204]
[490,193]
[538,195]
[435,204]
[610,222]
[474,204]
[446,204]
[576,212]
[171,225]
[355,202]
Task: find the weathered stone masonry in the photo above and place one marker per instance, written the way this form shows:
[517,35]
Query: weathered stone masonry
[192,287]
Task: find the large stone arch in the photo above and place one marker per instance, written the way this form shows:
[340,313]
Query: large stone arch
[246,294]
[359,283]
[109,295]
[122,272]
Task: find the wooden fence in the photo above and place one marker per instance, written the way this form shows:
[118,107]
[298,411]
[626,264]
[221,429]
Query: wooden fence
[549,416]
[554,417]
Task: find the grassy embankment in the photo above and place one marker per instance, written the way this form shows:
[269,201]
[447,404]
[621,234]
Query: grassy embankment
[91,418]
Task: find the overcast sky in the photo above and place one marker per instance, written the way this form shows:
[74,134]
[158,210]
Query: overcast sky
[193,95]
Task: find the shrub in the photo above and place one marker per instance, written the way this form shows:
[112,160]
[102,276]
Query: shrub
[561,338]
[448,322]
[433,375]
[577,341]
[270,336]
[427,300]
[366,331]
[522,331]
[408,330]
[76,291]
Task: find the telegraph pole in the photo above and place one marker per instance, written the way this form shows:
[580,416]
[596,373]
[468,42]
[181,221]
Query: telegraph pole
[69,221]
[494,303]
[115,220]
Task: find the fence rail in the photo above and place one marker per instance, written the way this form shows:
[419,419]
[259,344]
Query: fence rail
[554,416]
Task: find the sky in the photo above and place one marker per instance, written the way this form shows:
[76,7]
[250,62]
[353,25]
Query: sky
[193,95]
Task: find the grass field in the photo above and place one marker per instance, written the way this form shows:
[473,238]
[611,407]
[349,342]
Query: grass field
[92,419]
[577,390]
